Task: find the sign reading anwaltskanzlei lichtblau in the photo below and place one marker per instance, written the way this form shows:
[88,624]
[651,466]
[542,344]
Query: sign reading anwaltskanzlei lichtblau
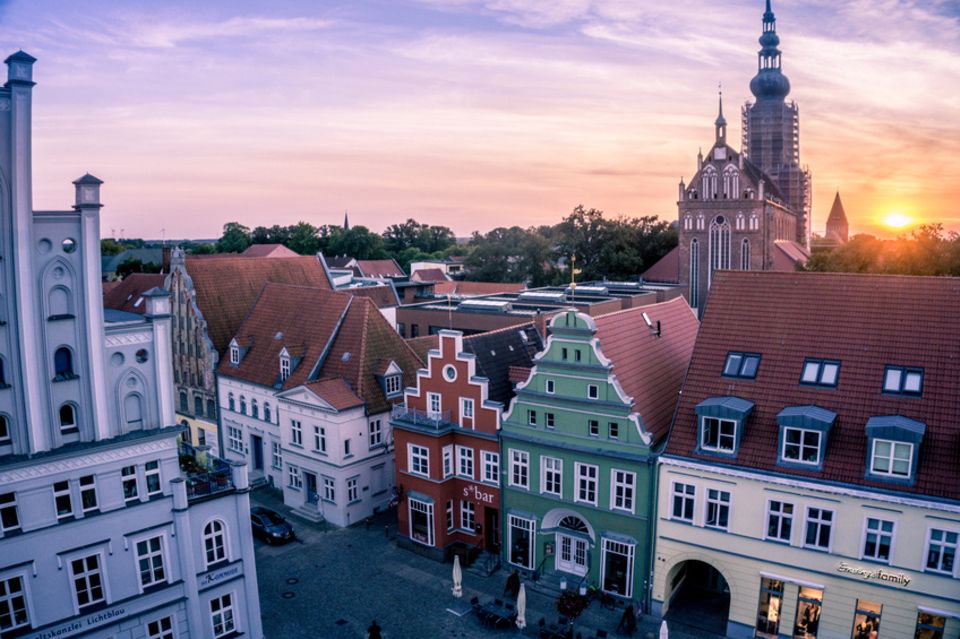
[877,574]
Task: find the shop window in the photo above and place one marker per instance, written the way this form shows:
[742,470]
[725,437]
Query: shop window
[768,615]
[929,626]
[866,620]
[617,577]
[521,541]
[807,620]
[421,521]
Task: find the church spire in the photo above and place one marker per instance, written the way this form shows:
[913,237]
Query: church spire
[769,83]
[346,222]
[721,123]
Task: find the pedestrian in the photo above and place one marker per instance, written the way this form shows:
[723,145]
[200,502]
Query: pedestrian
[513,584]
[373,632]
[628,622]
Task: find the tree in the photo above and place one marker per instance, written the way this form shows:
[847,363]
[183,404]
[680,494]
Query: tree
[109,246]
[303,239]
[134,265]
[508,255]
[400,237]
[357,242]
[235,238]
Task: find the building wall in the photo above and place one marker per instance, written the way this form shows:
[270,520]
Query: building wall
[241,418]
[417,322]
[743,556]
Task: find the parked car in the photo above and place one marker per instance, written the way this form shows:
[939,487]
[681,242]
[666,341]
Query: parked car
[270,526]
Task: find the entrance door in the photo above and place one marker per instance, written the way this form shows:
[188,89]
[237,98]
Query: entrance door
[256,447]
[572,554]
[311,481]
[491,524]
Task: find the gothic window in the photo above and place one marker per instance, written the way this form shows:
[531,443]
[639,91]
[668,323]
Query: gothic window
[63,363]
[709,181]
[687,222]
[59,302]
[745,255]
[719,246]
[184,402]
[700,222]
[231,403]
[731,183]
[243,405]
[133,411]
[694,273]
[741,222]
[255,409]
[754,223]
[198,406]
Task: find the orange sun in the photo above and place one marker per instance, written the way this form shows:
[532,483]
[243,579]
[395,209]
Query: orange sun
[897,220]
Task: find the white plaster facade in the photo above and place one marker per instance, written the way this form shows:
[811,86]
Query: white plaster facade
[250,420]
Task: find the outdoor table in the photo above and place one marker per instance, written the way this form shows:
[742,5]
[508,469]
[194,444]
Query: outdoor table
[553,631]
[496,615]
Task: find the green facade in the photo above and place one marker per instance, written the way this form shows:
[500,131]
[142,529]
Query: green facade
[572,418]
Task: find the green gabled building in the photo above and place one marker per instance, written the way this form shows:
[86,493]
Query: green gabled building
[578,446]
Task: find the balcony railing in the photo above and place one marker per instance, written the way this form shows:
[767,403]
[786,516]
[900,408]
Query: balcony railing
[204,473]
[419,417]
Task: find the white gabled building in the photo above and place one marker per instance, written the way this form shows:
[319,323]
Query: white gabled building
[102,533]
[329,367]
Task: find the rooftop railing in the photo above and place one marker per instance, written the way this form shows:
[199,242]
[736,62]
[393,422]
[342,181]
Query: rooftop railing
[430,419]
[204,473]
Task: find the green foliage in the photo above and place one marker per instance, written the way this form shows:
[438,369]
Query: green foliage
[926,251]
[235,238]
[411,234]
[303,239]
[109,246]
[358,242]
[134,265]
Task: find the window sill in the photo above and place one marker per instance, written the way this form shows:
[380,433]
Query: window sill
[355,501]
[69,431]
[348,456]
[64,377]
[5,386]
[61,316]
[817,549]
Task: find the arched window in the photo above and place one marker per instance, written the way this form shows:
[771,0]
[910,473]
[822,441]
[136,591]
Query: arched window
[266,411]
[214,542]
[741,222]
[255,409]
[231,403]
[709,183]
[63,363]
[58,302]
[3,374]
[211,409]
[700,222]
[133,411]
[745,255]
[68,418]
[687,222]
[573,523]
[243,405]
[731,183]
[198,406]
[754,223]
[695,273]
[184,405]
[4,429]
[719,246]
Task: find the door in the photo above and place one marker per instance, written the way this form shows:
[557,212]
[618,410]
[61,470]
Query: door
[491,525]
[256,447]
[311,481]
[572,554]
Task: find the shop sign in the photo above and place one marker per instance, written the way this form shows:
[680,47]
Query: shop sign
[480,495]
[83,624]
[217,576]
[875,574]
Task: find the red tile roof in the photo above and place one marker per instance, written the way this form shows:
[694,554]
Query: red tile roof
[345,335]
[336,392]
[227,286]
[268,250]
[382,296]
[650,368]
[429,275]
[127,295]
[379,268]
[667,268]
[423,345]
[787,255]
[476,289]
[519,374]
[865,322]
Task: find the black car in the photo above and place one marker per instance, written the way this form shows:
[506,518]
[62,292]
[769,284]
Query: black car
[269,526]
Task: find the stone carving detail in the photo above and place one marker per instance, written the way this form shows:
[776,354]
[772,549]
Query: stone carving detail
[85,462]
[126,339]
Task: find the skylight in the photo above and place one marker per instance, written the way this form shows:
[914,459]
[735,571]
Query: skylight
[741,365]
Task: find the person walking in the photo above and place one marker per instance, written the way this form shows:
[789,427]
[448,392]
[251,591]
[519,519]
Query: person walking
[513,584]
[373,632]
[628,622]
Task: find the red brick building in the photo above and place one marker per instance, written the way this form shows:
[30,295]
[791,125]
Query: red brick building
[445,437]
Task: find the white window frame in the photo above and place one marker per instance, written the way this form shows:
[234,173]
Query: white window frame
[329,488]
[628,485]
[720,435]
[63,492]
[125,478]
[800,446]
[583,480]
[234,355]
[217,533]
[781,516]
[943,544]
[10,502]
[551,466]
[491,467]
[468,515]
[593,391]
[880,534]
[531,526]
[149,472]
[549,386]
[685,497]
[819,521]
[519,466]
[319,439]
[276,455]
[630,554]
[6,601]
[225,612]
[893,457]
[375,433]
[284,368]
[235,439]
[465,457]
[353,489]
[448,467]
[100,571]
[392,384]
[466,411]
[164,628]
[160,555]
[434,406]
[613,430]
[296,433]
[719,503]
[294,477]
[418,460]
[427,508]
[449,513]
[86,488]
[531,417]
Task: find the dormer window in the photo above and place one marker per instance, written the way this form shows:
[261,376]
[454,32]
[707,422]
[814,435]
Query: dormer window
[718,435]
[891,458]
[902,380]
[721,422]
[893,442]
[393,383]
[284,367]
[801,446]
[804,431]
[234,355]
[820,372]
[741,365]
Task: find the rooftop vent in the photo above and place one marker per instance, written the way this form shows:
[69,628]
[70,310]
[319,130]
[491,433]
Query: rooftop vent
[488,306]
[542,296]
[345,357]
[589,290]
[278,336]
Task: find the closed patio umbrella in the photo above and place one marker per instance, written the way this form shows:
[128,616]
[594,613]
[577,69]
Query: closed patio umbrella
[664,633]
[457,577]
[522,607]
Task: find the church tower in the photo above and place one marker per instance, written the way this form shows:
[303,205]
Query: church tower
[771,129]
[838,230]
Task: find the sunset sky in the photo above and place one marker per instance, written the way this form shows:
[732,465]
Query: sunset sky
[472,113]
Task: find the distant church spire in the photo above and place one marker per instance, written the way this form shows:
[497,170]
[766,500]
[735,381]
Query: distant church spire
[769,83]
[837,227]
[721,123]
[346,222]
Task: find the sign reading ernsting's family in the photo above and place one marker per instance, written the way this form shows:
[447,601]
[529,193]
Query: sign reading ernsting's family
[877,574]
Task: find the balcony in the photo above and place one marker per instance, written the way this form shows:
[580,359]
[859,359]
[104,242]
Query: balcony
[421,418]
[204,474]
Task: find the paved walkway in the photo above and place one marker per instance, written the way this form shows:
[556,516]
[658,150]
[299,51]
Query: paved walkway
[333,582]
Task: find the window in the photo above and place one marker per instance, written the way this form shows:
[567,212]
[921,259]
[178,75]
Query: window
[4,429]
[87,581]
[9,517]
[866,619]
[128,476]
[88,493]
[593,427]
[465,461]
[467,514]
[891,458]
[550,420]
[532,417]
[419,460]
[63,363]
[150,561]
[221,614]
[929,625]
[491,467]
[421,521]
[820,372]
[447,461]
[801,446]
[201,436]
[433,405]
[614,430]
[593,391]
[694,273]
[586,483]
[393,384]
[549,386]
[243,405]
[741,365]
[779,521]
[744,252]
[624,485]
[284,368]
[684,497]
[266,412]
[520,533]
[617,567]
[197,406]
[214,542]
[254,409]
[152,476]
[234,355]
[551,476]
[466,408]
[519,468]
[13,604]
[68,418]
[160,629]
[61,499]
[329,489]
[353,490]
[346,448]
[294,478]
[718,435]
[807,620]
[576,354]
[718,509]
[768,614]
[941,551]
[563,354]
[296,432]
[276,457]
[234,439]
[449,514]
[231,402]
[819,527]
[319,437]
[719,244]
[902,380]
[877,539]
